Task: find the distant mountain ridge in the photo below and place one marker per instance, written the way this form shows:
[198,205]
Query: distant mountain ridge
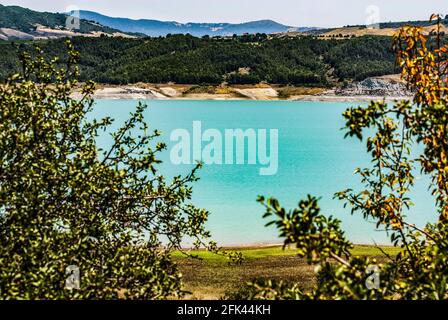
[18,23]
[155,28]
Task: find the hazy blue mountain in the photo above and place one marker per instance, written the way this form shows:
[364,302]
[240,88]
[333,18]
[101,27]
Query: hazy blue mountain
[161,28]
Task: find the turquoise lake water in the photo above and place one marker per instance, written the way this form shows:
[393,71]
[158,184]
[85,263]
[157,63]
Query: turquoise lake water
[313,158]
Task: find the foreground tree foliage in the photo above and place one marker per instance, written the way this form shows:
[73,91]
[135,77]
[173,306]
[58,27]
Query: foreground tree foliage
[66,204]
[420,270]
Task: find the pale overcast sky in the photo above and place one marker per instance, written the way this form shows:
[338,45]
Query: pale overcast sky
[320,13]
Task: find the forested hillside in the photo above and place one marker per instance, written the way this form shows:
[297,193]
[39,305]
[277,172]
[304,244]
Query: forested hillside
[25,20]
[248,59]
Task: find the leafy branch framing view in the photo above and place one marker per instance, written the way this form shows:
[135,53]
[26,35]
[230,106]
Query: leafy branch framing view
[419,270]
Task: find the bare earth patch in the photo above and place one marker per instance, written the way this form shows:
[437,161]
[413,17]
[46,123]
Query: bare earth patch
[213,276]
[207,280]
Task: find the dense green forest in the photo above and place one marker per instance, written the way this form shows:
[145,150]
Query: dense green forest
[248,59]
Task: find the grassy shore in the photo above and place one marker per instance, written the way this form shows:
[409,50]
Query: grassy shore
[213,276]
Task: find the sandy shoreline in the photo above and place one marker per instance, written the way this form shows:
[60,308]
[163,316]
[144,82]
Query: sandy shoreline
[352,98]
[254,93]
